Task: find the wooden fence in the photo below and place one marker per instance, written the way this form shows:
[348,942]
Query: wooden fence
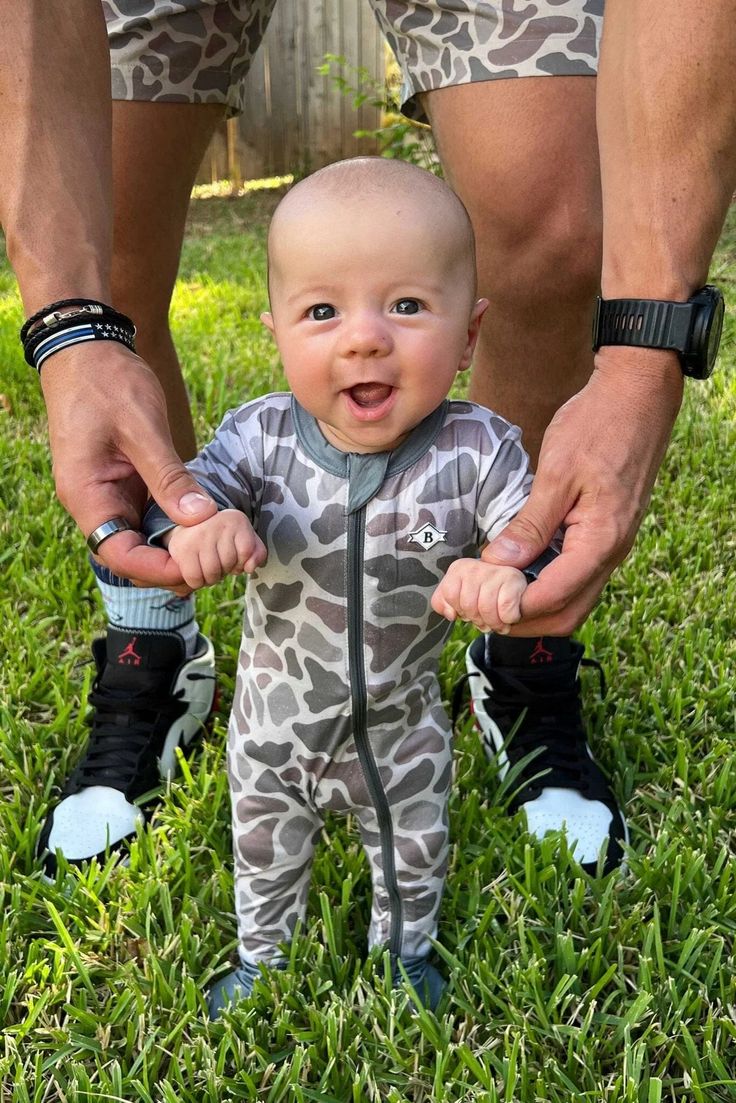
[295,119]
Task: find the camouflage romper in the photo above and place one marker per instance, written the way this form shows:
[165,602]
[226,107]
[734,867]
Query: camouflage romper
[337,703]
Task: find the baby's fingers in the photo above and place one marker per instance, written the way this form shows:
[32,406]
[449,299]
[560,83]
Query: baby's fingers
[251,551]
[486,614]
[509,598]
[191,571]
[444,598]
[227,554]
[211,566]
[443,607]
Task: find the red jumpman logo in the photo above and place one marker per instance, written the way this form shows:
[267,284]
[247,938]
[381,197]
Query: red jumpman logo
[129,656]
[540,654]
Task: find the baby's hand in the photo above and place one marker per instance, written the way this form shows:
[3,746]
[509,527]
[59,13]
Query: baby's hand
[224,544]
[486,595]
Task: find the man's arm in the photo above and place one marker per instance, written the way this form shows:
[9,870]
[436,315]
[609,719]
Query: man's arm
[107,413]
[667,135]
[55,144]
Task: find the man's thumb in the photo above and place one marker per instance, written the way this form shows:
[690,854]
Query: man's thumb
[524,539]
[179,496]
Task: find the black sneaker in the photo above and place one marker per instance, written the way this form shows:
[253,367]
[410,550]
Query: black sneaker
[560,787]
[147,699]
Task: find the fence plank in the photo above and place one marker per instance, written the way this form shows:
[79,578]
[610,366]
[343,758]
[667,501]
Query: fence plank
[253,126]
[363,48]
[294,119]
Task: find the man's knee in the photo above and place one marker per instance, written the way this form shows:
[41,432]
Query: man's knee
[550,258]
[522,155]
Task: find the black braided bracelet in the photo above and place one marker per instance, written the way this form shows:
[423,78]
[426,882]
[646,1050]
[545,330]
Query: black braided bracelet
[51,308]
[90,321]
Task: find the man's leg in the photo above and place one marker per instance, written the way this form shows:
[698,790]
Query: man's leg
[174,73]
[522,154]
[510,95]
[155,683]
[157,150]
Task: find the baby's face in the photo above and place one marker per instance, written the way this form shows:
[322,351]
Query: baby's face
[373,313]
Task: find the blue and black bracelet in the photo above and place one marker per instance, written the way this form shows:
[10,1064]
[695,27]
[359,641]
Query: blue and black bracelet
[50,330]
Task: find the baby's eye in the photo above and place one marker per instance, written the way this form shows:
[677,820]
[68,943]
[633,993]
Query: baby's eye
[322,312]
[407,306]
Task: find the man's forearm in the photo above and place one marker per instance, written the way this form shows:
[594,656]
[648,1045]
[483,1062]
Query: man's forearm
[667,133]
[55,148]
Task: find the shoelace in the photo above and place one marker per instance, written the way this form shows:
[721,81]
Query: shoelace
[550,729]
[119,735]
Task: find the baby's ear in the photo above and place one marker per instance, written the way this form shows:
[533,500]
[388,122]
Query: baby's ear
[267,319]
[476,318]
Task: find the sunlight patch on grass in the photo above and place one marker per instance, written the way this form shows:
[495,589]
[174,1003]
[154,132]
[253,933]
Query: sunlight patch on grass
[229,189]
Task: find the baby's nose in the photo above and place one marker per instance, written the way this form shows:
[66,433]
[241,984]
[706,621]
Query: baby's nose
[366,335]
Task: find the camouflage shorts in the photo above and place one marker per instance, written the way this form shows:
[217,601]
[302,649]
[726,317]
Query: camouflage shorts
[199,51]
[439,43]
[184,51]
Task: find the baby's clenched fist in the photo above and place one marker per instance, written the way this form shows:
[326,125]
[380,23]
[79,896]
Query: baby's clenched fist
[487,596]
[224,544]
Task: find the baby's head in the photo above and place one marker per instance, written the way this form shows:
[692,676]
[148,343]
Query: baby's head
[373,297]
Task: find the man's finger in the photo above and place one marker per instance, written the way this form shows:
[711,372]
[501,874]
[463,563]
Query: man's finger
[531,531]
[559,583]
[170,484]
[127,554]
[537,619]
[564,623]
[589,552]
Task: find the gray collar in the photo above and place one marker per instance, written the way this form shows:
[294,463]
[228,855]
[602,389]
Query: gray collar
[366,471]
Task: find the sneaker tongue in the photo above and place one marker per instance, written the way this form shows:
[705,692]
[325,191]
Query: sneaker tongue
[138,658]
[535,653]
[370,394]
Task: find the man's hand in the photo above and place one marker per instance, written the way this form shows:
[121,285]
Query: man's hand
[597,466]
[109,441]
[224,544]
[487,596]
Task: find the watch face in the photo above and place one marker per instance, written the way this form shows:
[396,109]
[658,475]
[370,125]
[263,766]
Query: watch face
[700,357]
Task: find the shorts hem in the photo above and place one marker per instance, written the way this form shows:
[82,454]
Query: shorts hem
[584,64]
[229,95]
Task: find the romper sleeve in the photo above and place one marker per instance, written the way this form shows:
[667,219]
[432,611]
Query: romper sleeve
[503,489]
[229,468]
[504,484]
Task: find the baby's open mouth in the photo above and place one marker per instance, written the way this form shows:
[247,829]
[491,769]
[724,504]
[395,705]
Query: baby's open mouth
[369,395]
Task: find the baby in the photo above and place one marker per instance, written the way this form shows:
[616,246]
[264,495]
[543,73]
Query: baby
[358,504]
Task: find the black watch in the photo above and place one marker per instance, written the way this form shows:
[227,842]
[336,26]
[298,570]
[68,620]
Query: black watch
[692,329]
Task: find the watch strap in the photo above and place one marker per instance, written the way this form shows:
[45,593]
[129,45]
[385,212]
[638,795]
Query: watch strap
[644,323]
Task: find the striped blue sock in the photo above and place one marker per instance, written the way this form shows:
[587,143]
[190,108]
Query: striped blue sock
[148,610]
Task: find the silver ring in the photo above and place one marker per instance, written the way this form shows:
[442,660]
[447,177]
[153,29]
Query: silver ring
[102,532]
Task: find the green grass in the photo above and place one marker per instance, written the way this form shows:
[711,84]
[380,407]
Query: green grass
[562,988]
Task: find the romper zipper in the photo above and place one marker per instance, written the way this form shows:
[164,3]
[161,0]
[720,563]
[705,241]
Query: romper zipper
[358,693]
